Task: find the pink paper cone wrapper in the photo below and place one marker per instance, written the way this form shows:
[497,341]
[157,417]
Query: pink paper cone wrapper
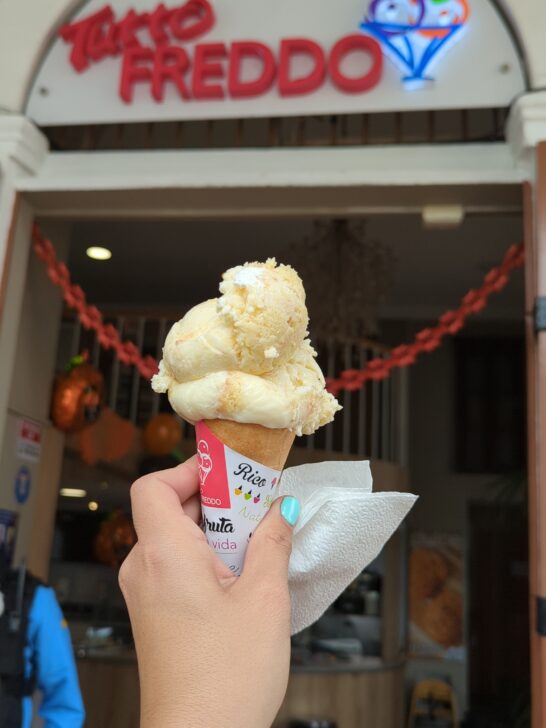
[236,493]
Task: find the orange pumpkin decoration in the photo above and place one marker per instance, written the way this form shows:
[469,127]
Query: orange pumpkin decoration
[78,396]
[116,537]
[108,439]
[162,434]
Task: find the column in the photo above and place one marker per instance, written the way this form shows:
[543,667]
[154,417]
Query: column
[23,149]
[527,136]
[30,309]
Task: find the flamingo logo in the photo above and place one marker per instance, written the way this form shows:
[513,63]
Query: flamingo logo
[204,461]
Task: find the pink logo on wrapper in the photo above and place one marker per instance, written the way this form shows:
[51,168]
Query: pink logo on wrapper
[213,479]
[204,460]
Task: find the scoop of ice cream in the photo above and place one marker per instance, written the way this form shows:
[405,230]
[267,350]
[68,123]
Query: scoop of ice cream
[199,344]
[264,305]
[245,355]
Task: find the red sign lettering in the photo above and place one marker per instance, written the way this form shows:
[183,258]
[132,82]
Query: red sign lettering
[134,70]
[315,78]
[171,63]
[356,43]
[206,66]
[83,34]
[153,55]
[250,50]
[100,35]
[193,19]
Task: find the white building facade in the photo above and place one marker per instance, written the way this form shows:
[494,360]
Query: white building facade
[67,64]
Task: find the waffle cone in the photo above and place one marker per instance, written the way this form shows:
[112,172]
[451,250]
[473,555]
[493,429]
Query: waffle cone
[263,444]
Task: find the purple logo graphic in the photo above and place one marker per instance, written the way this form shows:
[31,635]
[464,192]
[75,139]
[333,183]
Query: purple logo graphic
[413,32]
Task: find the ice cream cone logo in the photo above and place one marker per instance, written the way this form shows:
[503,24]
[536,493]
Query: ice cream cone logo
[256,498]
[204,460]
[238,490]
[274,482]
[413,33]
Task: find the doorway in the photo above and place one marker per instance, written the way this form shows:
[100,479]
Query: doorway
[436,268]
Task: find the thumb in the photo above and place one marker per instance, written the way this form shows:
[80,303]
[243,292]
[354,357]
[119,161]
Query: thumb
[271,544]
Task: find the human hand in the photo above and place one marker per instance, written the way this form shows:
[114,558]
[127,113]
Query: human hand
[213,649]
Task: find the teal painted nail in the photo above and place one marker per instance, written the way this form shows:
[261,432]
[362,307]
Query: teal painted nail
[290,509]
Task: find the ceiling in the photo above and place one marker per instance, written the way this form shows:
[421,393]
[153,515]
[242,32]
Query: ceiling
[174,264]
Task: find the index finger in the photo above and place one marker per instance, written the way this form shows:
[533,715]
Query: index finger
[157,501]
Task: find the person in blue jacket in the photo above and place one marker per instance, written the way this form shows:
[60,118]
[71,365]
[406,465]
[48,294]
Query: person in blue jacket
[35,654]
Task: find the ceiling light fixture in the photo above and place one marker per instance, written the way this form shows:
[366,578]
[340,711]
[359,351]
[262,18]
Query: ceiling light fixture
[346,274]
[442,216]
[73,492]
[96,252]
[93,506]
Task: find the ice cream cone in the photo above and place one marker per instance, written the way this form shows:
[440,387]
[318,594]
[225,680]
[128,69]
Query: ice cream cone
[263,444]
[242,369]
[239,470]
[246,357]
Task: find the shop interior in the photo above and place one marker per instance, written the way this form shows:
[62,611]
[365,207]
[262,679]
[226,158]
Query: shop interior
[449,428]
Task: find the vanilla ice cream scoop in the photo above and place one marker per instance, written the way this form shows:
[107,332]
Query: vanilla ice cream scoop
[265,306]
[245,356]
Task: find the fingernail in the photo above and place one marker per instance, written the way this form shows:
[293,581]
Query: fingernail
[290,509]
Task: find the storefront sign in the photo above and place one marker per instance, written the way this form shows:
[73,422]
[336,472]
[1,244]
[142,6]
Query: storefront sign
[131,61]
[29,441]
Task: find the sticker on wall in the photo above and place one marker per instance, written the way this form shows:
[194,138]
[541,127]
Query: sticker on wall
[22,485]
[29,441]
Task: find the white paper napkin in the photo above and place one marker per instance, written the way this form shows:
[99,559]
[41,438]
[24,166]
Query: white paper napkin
[342,528]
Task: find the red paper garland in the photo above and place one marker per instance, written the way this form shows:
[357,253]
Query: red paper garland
[350,380]
[430,339]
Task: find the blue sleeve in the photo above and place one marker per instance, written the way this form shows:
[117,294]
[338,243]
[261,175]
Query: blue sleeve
[54,664]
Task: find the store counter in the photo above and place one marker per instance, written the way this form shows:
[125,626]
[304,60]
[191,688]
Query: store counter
[365,692]
[369,692]
[109,686]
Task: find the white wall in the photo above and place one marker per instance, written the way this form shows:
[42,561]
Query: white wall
[528,20]
[26,29]
[37,334]
[28,364]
